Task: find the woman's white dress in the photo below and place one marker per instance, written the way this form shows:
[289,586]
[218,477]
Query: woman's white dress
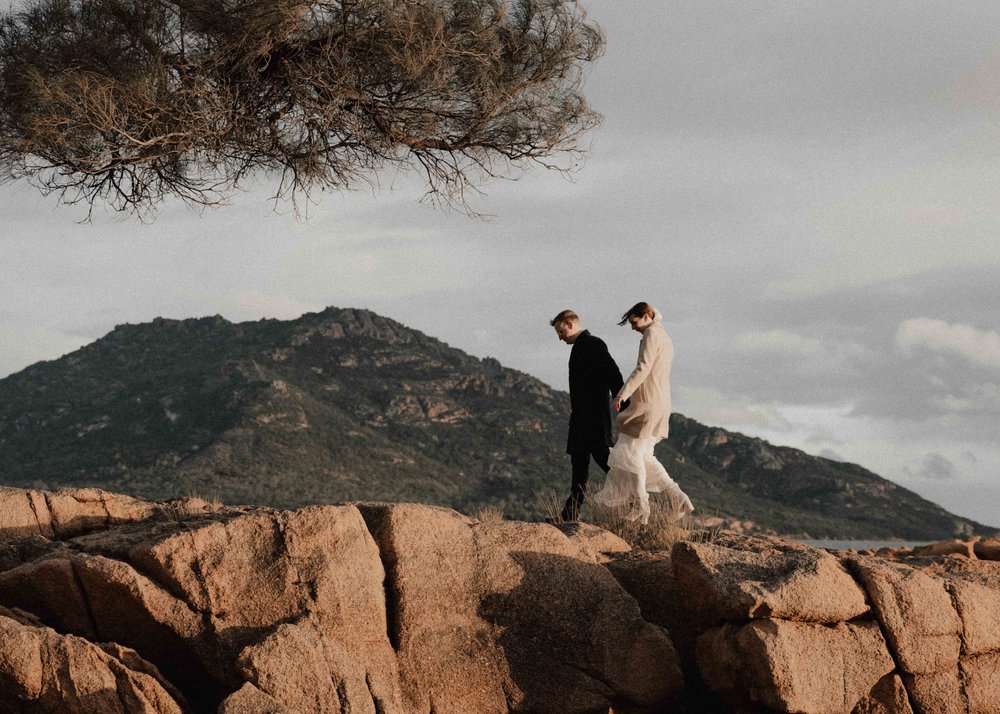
[635,473]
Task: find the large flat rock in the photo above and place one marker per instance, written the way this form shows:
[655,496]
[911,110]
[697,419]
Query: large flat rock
[720,583]
[65,513]
[916,613]
[498,616]
[976,597]
[794,666]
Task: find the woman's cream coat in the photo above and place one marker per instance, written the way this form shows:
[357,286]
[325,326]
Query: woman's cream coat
[648,414]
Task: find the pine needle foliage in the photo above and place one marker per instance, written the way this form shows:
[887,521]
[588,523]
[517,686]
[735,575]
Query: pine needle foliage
[129,102]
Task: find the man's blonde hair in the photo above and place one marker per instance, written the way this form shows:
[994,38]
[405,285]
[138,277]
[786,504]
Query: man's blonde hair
[564,316]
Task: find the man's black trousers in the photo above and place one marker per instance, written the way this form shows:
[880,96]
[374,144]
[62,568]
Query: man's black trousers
[581,471]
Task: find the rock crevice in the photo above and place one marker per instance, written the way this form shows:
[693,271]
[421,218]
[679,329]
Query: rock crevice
[851,566]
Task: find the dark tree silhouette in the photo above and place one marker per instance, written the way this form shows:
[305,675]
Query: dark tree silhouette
[132,101]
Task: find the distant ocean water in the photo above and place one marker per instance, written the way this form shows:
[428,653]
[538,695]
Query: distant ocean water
[863,544]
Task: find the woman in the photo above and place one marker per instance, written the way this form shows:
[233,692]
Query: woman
[634,470]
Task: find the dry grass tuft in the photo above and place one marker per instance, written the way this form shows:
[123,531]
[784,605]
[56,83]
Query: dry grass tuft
[487,514]
[550,504]
[661,533]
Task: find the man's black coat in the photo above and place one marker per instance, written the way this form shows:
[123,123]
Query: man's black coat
[593,379]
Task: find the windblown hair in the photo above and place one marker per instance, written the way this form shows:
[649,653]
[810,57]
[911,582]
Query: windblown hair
[640,309]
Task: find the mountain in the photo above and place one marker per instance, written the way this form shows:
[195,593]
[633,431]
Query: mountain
[788,491]
[348,405]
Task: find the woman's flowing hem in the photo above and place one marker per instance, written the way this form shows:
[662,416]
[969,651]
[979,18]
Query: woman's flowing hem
[635,473]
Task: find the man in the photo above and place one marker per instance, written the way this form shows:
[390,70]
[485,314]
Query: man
[593,378]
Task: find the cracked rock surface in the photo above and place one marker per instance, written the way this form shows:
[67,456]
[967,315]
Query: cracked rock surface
[765,625]
[350,608]
[113,604]
[43,670]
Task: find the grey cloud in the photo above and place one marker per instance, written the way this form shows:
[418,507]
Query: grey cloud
[788,68]
[955,294]
[820,439]
[978,346]
[832,455]
[934,467]
[858,361]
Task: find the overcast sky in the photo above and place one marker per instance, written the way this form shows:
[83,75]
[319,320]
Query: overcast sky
[809,191]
